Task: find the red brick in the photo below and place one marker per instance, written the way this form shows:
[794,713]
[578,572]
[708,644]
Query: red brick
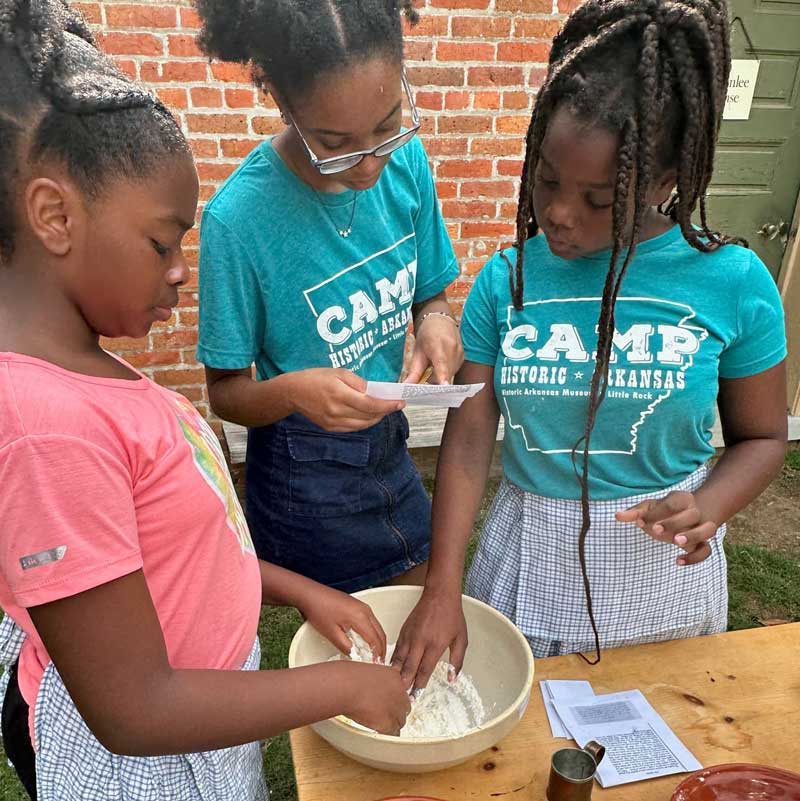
[526,6]
[207,191]
[457,100]
[131,44]
[174,98]
[217,123]
[175,340]
[189,317]
[419,50]
[470,209]
[189,18]
[465,51]
[512,125]
[127,66]
[206,97]
[487,100]
[205,148]
[211,171]
[428,25]
[459,4]
[536,77]
[459,289]
[266,126]
[464,124]
[184,46]
[523,51]
[238,148]
[527,28]
[446,190]
[487,189]
[240,98]
[178,377]
[191,239]
[446,146]
[436,76]
[457,168]
[124,344]
[517,100]
[484,27]
[231,73]
[140,16]
[497,147]
[427,126]
[495,76]
[193,394]
[178,71]
[153,358]
[509,210]
[512,167]
[568,6]
[90,11]
[429,100]
[487,229]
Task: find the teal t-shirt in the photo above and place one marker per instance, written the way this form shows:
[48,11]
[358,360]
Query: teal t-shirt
[684,319]
[280,287]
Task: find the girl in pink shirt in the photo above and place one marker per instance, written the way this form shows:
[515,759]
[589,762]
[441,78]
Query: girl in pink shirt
[127,573]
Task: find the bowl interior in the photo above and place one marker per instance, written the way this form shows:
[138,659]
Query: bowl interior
[498,659]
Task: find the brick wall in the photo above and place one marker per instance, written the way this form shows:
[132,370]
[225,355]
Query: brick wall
[474,65]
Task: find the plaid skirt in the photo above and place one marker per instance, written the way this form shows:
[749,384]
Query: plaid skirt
[71,765]
[527,567]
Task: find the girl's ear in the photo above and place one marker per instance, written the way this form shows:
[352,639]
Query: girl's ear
[661,189]
[51,207]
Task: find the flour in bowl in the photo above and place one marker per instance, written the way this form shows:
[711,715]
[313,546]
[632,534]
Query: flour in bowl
[443,708]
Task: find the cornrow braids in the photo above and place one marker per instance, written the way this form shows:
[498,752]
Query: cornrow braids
[62,99]
[656,73]
[291,43]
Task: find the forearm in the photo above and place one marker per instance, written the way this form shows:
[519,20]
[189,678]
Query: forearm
[185,711]
[243,400]
[438,303]
[739,477]
[281,587]
[464,461]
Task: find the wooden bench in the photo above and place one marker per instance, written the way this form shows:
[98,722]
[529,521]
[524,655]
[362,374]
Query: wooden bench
[426,426]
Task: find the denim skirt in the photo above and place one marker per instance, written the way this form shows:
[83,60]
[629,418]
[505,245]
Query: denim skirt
[347,510]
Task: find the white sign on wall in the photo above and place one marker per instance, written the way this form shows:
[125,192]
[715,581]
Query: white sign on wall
[741,86]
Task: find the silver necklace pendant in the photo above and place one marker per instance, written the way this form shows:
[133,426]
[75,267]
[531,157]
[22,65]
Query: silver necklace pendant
[344,233]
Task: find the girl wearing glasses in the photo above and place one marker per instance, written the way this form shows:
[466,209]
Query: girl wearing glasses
[315,257]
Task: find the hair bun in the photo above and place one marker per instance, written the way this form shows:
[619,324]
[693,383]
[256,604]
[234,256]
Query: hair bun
[227,28]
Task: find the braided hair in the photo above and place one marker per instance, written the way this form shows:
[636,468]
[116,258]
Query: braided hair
[655,72]
[62,99]
[291,43]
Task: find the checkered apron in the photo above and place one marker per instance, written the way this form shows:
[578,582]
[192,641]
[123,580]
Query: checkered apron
[71,765]
[527,567]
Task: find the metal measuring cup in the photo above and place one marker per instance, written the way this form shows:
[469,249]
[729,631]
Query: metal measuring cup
[572,772]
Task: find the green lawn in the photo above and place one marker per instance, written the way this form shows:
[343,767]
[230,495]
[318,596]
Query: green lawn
[762,584]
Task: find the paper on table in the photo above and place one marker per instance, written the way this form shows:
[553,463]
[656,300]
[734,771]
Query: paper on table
[564,691]
[639,744]
[441,395]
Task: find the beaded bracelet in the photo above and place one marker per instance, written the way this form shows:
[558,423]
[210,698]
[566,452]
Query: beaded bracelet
[418,323]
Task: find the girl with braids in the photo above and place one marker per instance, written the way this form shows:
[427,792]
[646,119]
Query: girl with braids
[127,573]
[314,258]
[608,334]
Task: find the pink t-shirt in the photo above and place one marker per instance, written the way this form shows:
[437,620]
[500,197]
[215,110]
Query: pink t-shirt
[101,477]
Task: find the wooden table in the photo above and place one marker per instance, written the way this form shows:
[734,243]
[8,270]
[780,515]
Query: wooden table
[730,698]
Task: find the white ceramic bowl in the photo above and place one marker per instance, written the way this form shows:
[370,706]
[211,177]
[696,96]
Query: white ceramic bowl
[498,660]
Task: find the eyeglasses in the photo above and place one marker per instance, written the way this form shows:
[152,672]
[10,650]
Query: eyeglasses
[341,163]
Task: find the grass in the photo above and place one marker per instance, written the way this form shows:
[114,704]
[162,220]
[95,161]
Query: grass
[762,585]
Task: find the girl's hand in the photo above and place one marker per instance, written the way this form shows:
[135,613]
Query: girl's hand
[333,613]
[376,696]
[438,344]
[435,624]
[334,399]
[678,519]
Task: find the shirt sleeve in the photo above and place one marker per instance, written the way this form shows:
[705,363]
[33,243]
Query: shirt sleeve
[480,333]
[69,522]
[437,266]
[232,317]
[760,342]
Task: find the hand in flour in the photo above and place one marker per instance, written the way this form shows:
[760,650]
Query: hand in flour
[333,614]
[675,518]
[377,697]
[435,624]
